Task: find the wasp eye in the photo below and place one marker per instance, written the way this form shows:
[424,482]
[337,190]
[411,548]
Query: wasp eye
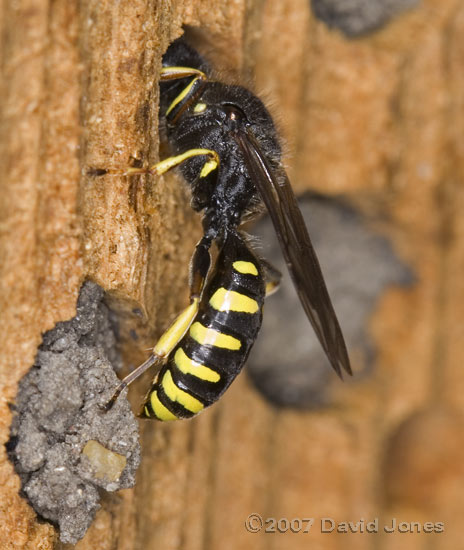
[234,113]
[199,108]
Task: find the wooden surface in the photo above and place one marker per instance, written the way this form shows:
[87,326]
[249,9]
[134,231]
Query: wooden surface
[380,119]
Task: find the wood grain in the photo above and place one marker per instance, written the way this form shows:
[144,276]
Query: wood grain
[379,119]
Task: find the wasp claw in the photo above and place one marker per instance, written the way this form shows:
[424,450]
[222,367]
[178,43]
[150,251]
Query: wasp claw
[96,172]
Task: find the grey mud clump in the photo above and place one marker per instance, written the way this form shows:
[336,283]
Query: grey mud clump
[358,17]
[287,363]
[64,447]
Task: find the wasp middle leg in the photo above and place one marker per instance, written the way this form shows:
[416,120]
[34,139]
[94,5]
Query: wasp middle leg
[200,266]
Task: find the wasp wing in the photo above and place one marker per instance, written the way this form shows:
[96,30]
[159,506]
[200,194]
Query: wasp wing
[298,250]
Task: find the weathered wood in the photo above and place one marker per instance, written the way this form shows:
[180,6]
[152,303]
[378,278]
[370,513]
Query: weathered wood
[379,118]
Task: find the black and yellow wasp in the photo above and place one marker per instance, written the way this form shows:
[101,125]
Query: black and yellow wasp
[225,141]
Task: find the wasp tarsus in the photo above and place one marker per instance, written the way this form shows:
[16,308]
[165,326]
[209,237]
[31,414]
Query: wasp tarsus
[96,172]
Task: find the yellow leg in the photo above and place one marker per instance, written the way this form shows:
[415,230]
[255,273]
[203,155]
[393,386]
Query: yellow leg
[199,268]
[171,162]
[184,93]
[165,165]
[176,331]
[272,277]
[173,73]
[163,348]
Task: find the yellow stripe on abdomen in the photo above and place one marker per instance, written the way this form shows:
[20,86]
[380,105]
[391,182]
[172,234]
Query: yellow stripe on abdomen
[180,396]
[230,300]
[208,336]
[188,366]
[246,268]
[161,412]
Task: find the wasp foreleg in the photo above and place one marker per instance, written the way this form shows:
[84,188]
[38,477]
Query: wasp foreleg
[164,166]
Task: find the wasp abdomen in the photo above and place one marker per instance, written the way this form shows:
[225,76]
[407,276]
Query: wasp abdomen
[213,351]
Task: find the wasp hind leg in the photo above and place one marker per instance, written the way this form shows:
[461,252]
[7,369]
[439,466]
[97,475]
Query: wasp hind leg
[200,265]
[272,277]
[150,362]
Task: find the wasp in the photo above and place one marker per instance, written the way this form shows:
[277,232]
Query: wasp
[226,144]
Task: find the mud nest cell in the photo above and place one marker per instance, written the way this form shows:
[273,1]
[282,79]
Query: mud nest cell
[64,447]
